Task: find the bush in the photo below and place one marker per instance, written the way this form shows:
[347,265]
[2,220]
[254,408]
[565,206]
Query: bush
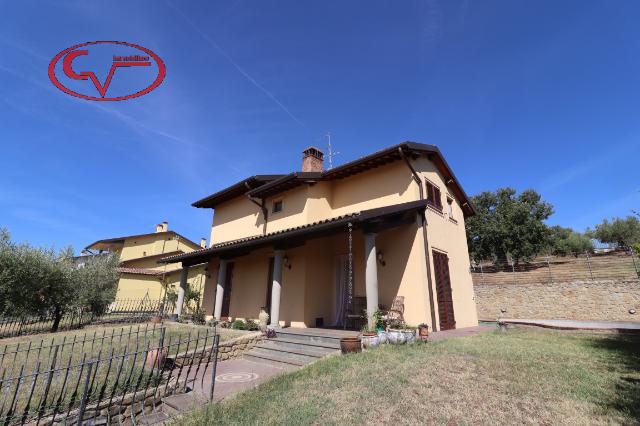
[198,316]
[252,325]
[239,325]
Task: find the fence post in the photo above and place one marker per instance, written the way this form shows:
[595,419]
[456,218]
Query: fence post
[216,340]
[513,270]
[633,259]
[549,268]
[589,264]
[85,392]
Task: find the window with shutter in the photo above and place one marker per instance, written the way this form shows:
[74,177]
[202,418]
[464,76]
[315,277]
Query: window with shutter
[433,196]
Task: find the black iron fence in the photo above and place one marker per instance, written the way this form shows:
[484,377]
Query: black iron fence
[121,310]
[549,269]
[123,380]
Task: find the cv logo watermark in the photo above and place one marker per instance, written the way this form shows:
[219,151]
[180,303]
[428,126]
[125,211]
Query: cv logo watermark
[128,69]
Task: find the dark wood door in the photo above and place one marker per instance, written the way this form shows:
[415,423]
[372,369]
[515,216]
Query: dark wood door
[228,288]
[443,291]
[267,303]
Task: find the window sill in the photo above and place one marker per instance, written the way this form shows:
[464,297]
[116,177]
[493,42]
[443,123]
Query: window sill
[452,220]
[435,209]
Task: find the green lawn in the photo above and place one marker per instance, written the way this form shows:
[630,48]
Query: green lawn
[521,376]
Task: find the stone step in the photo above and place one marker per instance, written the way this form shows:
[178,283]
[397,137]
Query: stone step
[177,404]
[273,350]
[274,358]
[306,343]
[309,336]
[296,348]
[156,418]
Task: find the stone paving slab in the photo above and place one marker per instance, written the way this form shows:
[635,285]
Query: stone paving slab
[236,375]
[559,324]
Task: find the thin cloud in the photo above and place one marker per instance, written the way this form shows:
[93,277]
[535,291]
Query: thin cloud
[235,64]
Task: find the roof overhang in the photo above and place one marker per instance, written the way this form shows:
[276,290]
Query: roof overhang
[262,186]
[372,220]
[235,190]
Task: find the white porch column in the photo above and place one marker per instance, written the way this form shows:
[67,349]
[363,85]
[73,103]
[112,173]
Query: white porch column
[371,276]
[277,286]
[222,277]
[183,286]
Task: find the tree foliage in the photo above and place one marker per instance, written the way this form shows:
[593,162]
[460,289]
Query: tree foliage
[566,241]
[624,233]
[37,281]
[508,225]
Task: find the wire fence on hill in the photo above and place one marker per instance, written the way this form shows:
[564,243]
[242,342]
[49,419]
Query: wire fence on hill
[121,310]
[549,269]
[124,381]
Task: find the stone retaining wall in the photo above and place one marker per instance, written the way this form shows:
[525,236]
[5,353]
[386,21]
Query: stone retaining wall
[236,347]
[578,300]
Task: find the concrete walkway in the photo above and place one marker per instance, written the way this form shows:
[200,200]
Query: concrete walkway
[459,332]
[235,375]
[618,326]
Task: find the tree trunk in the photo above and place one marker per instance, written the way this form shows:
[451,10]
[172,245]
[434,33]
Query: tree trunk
[57,316]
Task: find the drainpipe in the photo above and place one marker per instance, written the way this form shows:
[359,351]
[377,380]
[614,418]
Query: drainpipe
[262,206]
[425,239]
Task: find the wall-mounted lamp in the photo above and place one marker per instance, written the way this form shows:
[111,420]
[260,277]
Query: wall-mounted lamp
[380,257]
[286,262]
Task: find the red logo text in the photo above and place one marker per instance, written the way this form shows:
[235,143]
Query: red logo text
[147,64]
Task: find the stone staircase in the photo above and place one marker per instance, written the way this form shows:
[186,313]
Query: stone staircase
[297,347]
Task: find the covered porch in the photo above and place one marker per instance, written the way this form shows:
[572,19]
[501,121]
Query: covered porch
[322,274]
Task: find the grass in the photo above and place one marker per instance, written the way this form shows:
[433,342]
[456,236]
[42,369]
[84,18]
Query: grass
[524,376]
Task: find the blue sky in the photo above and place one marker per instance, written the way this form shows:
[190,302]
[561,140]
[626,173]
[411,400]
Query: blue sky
[540,95]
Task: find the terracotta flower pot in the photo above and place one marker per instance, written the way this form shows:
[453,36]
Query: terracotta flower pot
[156,358]
[424,333]
[370,340]
[350,345]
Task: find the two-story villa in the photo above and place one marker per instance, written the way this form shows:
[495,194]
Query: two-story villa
[309,244]
[140,274]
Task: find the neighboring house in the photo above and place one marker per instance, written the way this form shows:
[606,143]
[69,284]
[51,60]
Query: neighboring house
[283,242]
[140,274]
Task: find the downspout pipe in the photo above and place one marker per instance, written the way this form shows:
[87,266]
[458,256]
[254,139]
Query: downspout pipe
[425,239]
[262,206]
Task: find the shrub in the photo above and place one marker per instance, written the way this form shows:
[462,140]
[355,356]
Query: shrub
[198,316]
[239,325]
[252,325]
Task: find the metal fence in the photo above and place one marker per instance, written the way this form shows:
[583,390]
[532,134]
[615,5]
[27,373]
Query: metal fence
[549,269]
[121,310]
[120,382]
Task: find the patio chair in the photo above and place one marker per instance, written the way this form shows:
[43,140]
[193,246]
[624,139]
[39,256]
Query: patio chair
[396,312]
[354,317]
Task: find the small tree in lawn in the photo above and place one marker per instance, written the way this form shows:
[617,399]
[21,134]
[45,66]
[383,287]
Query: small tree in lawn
[507,225]
[96,282]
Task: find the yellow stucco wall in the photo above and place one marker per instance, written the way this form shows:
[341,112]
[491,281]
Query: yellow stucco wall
[309,287]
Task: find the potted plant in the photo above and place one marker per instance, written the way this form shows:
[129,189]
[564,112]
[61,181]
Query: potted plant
[395,334]
[409,334]
[369,337]
[423,332]
[350,345]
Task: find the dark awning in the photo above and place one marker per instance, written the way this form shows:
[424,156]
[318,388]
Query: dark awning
[372,220]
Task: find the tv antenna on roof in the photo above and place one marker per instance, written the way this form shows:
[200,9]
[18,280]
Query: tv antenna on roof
[330,152]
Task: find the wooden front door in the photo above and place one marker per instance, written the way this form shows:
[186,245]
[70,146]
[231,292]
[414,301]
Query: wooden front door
[228,287]
[443,291]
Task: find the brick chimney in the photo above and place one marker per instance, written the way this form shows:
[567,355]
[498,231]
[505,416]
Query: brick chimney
[162,227]
[203,242]
[312,160]
[159,227]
